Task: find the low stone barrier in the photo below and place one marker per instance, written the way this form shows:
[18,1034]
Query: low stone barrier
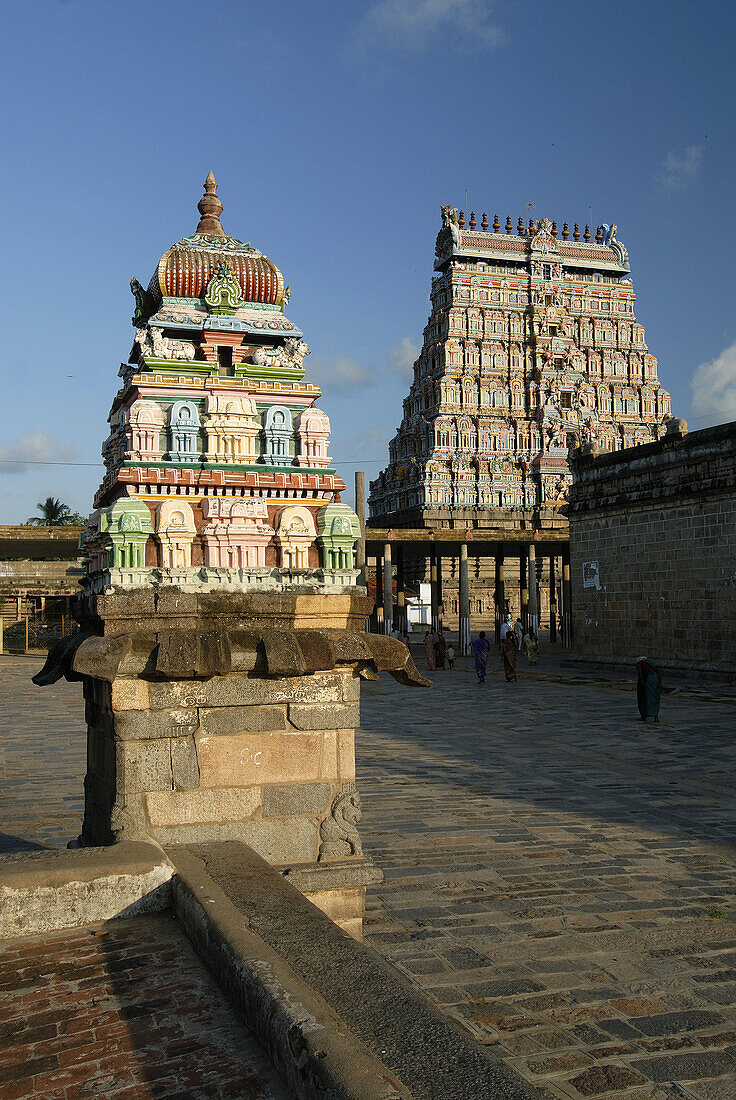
[47,891]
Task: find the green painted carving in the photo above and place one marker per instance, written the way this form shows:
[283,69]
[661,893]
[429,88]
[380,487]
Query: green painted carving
[144,304]
[223,294]
[127,525]
[338,529]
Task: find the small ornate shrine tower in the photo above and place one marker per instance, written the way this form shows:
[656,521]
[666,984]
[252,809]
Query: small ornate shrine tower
[217,466]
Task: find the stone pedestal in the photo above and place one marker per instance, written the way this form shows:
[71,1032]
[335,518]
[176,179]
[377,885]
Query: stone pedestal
[240,731]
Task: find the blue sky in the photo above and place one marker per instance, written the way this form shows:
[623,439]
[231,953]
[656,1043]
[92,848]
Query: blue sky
[335,132]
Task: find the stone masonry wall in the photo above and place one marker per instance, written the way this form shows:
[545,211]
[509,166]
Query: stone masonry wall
[225,758]
[660,522]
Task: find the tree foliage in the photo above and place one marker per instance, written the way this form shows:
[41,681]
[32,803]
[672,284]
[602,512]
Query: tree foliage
[54,513]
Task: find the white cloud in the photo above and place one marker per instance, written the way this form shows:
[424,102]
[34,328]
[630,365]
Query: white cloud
[401,357]
[31,448]
[347,374]
[412,24]
[336,373]
[680,168]
[713,390]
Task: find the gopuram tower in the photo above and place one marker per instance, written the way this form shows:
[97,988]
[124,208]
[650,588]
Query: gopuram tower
[217,466]
[532,348]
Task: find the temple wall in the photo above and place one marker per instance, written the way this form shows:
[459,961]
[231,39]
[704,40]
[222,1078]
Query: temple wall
[660,522]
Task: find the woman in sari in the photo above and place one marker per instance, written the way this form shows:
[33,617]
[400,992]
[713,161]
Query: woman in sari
[508,655]
[429,647]
[440,648]
[480,649]
[648,687]
[532,647]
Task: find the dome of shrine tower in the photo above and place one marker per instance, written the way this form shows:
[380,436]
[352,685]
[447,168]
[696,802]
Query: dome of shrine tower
[186,269]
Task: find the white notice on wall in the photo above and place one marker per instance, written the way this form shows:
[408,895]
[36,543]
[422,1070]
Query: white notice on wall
[591,575]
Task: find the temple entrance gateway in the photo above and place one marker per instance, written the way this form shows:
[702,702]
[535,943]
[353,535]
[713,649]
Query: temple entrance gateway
[532,349]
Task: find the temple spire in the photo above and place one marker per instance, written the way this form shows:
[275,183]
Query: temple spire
[210,208]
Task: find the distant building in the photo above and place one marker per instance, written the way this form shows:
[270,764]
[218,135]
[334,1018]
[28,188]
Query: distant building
[40,570]
[532,348]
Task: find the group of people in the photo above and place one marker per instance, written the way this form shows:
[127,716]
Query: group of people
[514,639]
[438,651]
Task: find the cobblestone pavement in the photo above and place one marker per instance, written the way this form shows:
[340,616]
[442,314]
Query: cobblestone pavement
[42,758]
[559,877]
[125,1010]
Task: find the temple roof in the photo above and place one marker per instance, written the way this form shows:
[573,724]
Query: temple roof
[186,269]
[605,253]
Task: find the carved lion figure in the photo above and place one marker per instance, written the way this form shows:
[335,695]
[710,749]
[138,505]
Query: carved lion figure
[339,832]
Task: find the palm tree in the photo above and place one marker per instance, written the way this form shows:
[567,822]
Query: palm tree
[54,513]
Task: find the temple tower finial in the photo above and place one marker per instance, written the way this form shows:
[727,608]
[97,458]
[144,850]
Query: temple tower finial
[210,208]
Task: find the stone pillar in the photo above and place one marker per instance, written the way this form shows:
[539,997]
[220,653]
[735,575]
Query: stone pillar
[523,588]
[566,598]
[401,618]
[378,607]
[240,732]
[552,598]
[533,591]
[440,602]
[499,594]
[360,513]
[434,591]
[464,603]
[388,596]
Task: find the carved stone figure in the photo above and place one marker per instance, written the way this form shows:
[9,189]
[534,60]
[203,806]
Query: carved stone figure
[449,221]
[152,342]
[143,303]
[339,832]
[560,489]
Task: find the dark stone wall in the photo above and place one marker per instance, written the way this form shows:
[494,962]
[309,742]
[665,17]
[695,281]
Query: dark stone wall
[660,522]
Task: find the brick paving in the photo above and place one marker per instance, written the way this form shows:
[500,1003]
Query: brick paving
[125,1010]
[559,877]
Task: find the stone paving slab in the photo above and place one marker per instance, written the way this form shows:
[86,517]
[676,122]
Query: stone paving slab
[122,1010]
[42,758]
[560,877]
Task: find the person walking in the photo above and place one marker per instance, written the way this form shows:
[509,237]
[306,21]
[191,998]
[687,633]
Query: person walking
[440,649]
[429,649]
[519,634]
[450,656]
[504,629]
[532,647]
[508,656]
[648,688]
[480,649]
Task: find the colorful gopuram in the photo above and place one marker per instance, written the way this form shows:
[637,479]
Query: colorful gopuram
[217,465]
[532,347]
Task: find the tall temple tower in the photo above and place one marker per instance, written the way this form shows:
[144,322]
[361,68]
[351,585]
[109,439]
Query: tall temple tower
[532,348]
